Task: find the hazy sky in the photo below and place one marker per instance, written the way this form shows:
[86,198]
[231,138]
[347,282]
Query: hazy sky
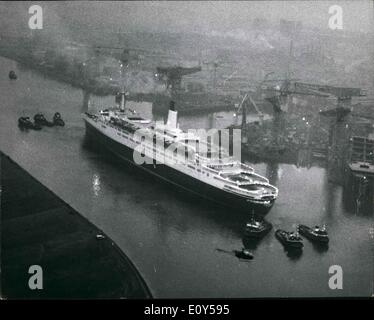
[223,15]
[204,16]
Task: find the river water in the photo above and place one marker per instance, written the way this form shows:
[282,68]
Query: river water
[171,239]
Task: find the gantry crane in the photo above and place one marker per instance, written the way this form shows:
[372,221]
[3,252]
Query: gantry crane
[174,75]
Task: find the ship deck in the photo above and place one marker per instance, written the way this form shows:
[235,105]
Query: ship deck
[368,169]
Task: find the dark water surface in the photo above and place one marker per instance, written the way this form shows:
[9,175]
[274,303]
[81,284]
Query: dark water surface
[172,239]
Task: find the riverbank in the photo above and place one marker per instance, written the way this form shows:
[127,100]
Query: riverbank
[78,260]
[74,72]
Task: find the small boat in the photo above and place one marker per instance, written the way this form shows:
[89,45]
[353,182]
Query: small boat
[57,120]
[316,233]
[26,123]
[12,75]
[257,229]
[243,254]
[40,120]
[289,239]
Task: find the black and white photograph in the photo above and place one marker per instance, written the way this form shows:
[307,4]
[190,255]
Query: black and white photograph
[185,150]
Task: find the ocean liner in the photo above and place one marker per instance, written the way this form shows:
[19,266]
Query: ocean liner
[211,174]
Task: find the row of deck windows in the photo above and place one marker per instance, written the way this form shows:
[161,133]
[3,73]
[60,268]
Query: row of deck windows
[161,153]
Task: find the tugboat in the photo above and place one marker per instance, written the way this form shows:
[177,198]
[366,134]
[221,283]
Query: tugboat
[40,120]
[57,120]
[289,239]
[12,75]
[25,123]
[244,254]
[315,234]
[257,229]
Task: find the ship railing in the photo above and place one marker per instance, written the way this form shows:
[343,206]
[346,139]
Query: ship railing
[274,190]
[256,175]
[245,166]
[221,164]
[205,167]
[254,194]
[91,116]
[246,176]
[214,161]
[232,166]
[230,171]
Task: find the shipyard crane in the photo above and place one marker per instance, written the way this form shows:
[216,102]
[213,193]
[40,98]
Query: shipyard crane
[342,94]
[286,87]
[244,105]
[340,126]
[243,108]
[173,75]
[283,89]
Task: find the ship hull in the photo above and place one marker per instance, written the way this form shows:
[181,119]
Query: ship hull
[177,178]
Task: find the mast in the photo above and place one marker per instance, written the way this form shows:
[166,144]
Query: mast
[123,98]
[290,56]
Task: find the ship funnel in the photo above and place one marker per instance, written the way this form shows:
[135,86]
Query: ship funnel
[123,101]
[172,116]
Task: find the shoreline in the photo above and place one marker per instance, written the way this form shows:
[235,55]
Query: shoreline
[64,237]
